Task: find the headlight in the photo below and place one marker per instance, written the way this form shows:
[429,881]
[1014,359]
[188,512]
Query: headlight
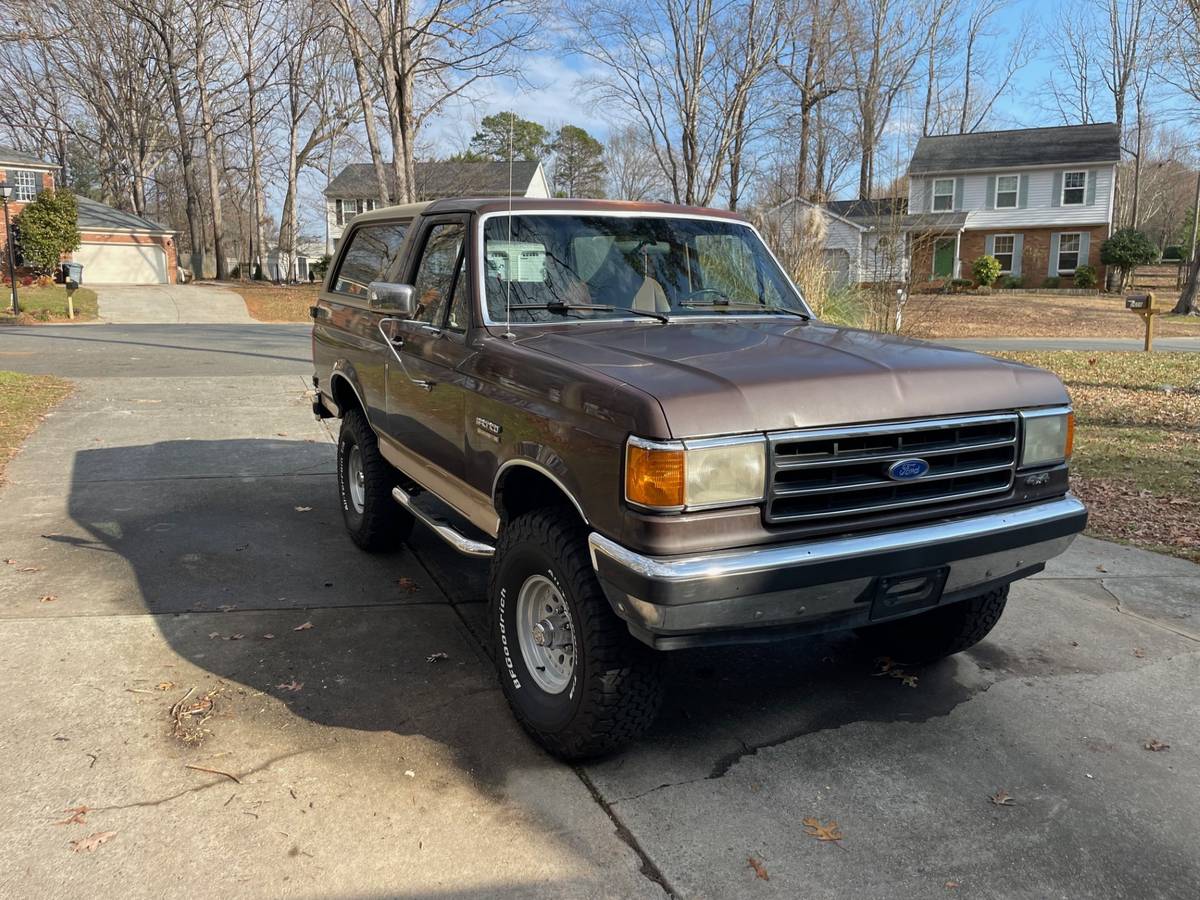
[1048,436]
[696,474]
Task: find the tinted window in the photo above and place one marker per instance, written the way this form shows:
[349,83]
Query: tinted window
[435,274]
[371,253]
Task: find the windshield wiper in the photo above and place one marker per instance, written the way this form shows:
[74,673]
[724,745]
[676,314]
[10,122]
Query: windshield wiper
[735,304]
[562,306]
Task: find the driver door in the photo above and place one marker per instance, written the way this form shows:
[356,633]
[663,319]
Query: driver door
[426,398]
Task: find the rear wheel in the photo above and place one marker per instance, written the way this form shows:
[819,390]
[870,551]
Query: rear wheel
[941,632]
[365,481]
[574,677]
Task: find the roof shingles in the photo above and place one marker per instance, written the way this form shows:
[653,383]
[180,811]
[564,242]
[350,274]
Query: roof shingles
[1058,145]
[447,178]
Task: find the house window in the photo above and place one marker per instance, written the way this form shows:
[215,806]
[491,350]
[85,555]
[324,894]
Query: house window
[25,186]
[1002,250]
[943,194]
[1068,252]
[1006,191]
[1074,186]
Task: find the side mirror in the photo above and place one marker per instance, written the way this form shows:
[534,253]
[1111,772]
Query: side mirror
[398,299]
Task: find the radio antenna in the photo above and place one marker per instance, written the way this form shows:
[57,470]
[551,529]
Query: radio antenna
[508,265]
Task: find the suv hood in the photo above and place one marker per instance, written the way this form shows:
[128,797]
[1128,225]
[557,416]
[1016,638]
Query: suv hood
[727,377]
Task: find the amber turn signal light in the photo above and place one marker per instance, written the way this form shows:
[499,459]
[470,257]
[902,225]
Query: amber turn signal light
[654,476]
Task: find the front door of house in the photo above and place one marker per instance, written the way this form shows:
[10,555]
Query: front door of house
[943,258]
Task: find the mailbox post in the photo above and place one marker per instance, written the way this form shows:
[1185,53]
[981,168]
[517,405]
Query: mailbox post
[1143,305]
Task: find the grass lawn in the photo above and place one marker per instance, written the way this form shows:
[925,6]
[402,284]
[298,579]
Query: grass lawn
[277,303]
[1037,315]
[1137,444]
[24,399]
[46,304]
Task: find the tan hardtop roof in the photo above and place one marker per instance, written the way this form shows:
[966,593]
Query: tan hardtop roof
[526,204]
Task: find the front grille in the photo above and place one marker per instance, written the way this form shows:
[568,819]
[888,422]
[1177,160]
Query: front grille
[835,473]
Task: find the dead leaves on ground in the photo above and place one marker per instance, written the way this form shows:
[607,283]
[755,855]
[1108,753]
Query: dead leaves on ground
[760,871]
[188,716]
[92,841]
[830,833]
[293,686]
[892,669]
[1155,745]
[1002,798]
[303,627]
[19,568]
[408,585]
[75,816]
[47,598]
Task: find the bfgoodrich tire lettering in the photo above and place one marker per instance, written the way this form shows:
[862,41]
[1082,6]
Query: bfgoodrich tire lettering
[614,691]
[365,481]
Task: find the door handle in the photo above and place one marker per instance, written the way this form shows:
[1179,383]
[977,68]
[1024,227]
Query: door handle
[395,344]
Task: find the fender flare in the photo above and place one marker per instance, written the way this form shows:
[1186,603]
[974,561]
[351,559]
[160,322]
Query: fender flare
[541,469]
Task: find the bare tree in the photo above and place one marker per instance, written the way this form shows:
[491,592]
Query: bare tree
[629,162]
[426,57]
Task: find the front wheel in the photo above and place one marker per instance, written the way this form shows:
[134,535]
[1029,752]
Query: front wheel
[574,677]
[941,632]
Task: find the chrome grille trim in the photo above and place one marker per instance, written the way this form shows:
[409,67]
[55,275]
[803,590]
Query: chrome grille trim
[824,472]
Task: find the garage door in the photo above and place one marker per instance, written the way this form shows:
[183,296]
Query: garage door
[122,263]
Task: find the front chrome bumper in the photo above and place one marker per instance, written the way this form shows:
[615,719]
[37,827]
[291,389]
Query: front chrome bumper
[762,593]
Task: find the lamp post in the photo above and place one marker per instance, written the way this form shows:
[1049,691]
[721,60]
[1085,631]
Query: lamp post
[6,192]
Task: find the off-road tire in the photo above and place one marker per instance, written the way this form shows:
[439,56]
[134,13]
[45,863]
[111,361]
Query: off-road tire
[615,690]
[941,632]
[383,524]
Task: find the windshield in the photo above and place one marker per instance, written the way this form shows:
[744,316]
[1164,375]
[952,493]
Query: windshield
[554,267]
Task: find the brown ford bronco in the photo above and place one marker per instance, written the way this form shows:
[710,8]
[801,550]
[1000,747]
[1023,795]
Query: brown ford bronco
[630,410]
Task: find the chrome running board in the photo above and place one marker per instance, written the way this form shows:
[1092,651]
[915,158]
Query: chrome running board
[447,532]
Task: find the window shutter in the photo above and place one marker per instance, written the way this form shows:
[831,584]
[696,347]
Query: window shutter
[1022,193]
[1056,192]
[989,245]
[928,195]
[1084,240]
[1091,187]
[1018,249]
[958,193]
[1052,269]
[990,201]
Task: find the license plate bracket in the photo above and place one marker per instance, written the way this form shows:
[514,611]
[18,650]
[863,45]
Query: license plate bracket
[898,594]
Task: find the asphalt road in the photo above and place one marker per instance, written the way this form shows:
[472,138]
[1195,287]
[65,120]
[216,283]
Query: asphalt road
[180,509]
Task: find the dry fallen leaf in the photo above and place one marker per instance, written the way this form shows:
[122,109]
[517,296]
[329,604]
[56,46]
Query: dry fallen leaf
[303,509]
[76,816]
[268,637]
[236,637]
[909,681]
[1156,745]
[48,598]
[1001,798]
[759,869]
[165,685]
[30,569]
[814,828]
[213,634]
[292,686]
[951,885]
[407,584]
[304,627]
[436,657]
[92,841]
[1139,652]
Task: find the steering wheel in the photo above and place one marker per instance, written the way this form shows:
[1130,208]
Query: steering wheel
[701,291]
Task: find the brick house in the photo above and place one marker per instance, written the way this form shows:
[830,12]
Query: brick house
[1040,200]
[115,247]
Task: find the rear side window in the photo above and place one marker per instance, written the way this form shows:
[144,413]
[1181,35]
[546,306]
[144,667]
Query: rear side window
[372,250]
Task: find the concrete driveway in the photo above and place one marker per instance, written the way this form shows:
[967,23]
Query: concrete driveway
[163,304]
[180,514]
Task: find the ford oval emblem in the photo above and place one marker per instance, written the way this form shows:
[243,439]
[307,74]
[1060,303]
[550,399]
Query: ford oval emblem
[907,469]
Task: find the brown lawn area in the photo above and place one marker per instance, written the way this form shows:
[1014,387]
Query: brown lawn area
[1037,315]
[46,304]
[277,303]
[1137,444]
[24,400]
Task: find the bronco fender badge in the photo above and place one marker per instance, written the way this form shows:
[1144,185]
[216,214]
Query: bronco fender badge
[907,469]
